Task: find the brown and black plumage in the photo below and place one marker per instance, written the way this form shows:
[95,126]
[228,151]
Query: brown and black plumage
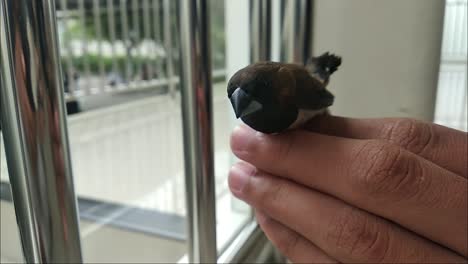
[271,97]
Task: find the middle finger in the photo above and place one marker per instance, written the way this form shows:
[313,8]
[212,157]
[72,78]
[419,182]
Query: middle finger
[342,231]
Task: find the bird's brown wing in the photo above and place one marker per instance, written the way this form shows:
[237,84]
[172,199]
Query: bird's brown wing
[284,85]
[310,92]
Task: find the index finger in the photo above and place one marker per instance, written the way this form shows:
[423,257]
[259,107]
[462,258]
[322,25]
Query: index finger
[441,145]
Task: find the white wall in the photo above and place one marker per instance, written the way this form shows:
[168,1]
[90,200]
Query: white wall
[237,35]
[390,52]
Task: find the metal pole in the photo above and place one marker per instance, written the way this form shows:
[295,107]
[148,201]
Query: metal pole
[260,30]
[296,44]
[198,134]
[36,140]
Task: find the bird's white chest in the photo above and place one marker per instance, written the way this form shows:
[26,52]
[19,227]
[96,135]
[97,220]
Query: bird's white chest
[305,115]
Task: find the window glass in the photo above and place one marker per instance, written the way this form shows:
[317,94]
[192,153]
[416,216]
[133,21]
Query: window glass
[125,128]
[451,103]
[120,62]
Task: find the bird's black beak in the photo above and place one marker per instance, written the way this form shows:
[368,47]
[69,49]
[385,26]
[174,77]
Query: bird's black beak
[243,103]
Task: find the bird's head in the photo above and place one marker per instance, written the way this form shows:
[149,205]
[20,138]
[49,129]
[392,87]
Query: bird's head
[261,97]
[245,98]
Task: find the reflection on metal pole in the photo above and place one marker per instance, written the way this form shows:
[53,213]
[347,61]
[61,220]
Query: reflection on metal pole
[198,135]
[36,140]
[296,22]
[260,30]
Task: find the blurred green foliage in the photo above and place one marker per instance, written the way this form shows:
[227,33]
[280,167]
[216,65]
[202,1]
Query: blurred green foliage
[136,31]
[119,62]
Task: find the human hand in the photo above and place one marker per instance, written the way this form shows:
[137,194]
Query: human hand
[358,190]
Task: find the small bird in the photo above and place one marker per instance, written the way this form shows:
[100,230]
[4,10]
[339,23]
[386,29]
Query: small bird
[272,97]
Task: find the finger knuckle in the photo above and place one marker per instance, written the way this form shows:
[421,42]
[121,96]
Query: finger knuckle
[383,169]
[410,134]
[273,194]
[288,243]
[360,235]
[285,146]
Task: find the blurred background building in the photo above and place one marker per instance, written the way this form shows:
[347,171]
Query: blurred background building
[120,63]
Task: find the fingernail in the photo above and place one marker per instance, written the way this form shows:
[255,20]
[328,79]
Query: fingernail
[241,139]
[239,177]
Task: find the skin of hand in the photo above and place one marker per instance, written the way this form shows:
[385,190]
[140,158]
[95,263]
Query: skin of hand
[357,190]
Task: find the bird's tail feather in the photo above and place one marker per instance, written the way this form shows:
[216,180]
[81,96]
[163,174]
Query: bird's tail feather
[324,65]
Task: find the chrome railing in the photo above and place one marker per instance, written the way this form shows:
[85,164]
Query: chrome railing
[110,46]
[34,128]
[33,114]
[260,33]
[197,118]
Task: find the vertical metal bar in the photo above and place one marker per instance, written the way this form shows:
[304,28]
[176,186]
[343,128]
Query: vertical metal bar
[198,129]
[84,46]
[111,25]
[157,35]
[156,38]
[297,31]
[69,73]
[275,29]
[148,67]
[168,47]
[98,30]
[260,33]
[34,126]
[135,35]
[126,39]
